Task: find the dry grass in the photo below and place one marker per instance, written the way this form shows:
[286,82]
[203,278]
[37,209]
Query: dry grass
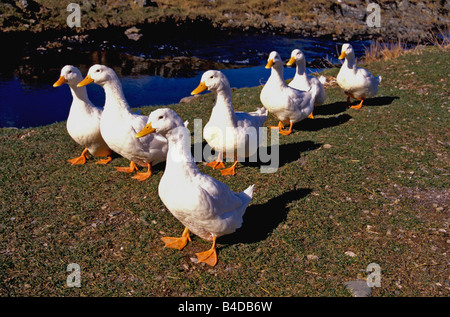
[384,51]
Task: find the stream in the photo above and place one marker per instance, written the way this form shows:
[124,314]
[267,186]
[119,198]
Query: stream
[31,100]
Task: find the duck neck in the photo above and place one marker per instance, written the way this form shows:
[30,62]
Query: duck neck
[223,107]
[114,95]
[179,154]
[79,93]
[301,68]
[276,74]
[350,61]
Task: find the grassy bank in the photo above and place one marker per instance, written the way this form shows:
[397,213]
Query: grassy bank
[354,187]
[306,18]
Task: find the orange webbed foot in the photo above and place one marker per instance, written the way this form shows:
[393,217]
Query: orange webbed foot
[229,171]
[104,161]
[177,243]
[143,176]
[129,169]
[209,256]
[358,106]
[216,164]
[80,160]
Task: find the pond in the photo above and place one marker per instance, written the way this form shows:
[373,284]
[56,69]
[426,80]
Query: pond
[34,101]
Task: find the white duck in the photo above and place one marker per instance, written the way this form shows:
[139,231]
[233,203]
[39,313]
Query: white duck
[204,205]
[287,104]
[83,122]
[357,83]
[119,126]
[303,81]
[232,134]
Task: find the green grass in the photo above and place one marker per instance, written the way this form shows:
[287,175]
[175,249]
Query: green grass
[379,190]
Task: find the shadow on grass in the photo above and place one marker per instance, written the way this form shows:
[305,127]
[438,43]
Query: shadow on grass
[379,101]
[287,153]
[341,106]
[260,220]
[317,124]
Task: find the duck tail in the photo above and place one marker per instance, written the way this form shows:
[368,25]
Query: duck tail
[379,78]
[322,80]
[249,192]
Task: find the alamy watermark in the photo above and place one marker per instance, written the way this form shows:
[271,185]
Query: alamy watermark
[74,18]
[374,17]
[74,278]
[374,278]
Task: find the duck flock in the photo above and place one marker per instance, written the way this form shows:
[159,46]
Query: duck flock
[205,206]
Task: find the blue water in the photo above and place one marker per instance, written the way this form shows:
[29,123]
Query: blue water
[25,105]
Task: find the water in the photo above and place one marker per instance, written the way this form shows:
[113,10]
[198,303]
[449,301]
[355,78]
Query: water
[30,103]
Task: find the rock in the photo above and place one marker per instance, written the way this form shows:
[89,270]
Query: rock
[359,288]
[188,99]
[327,146]
[133,33]
[350,254]
[312,257]
[145,3]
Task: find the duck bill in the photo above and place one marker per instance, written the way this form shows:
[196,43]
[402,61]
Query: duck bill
[342,56]
[146,130]
[85,81]
[291,61]
[61,81]
[269,64]
[201,87]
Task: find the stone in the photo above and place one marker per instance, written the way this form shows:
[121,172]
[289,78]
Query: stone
[358,288]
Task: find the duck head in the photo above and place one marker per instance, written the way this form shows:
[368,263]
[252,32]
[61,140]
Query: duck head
[211,80]
[347,50]
[161,121]
[98,74]
[296,57]
[70,75]
[274,60]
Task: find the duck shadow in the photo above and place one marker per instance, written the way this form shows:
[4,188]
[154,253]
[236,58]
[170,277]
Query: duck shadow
[379,101]
[317,124]
[286,153]
[341,106]
[261,219]
[330,109]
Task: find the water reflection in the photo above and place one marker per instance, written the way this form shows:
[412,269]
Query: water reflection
[151,74]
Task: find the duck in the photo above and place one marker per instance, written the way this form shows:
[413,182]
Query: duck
[287,104]
[303,81]
[232,134]
[83,122]
[205,206]
[118,125]
[357,83]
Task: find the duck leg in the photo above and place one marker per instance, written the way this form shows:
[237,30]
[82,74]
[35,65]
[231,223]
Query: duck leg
[177,243]
[229,171]
[358,106]
[210,256]
[311,116]
[129,169]
[105,161]
[280,126]
[80,160]
[217,164]
[143,176]
[284,132]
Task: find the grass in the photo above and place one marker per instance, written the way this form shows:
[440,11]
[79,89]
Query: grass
[372,181]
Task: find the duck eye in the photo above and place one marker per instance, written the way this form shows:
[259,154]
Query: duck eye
[98,70]
[160,117]
[212,76]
